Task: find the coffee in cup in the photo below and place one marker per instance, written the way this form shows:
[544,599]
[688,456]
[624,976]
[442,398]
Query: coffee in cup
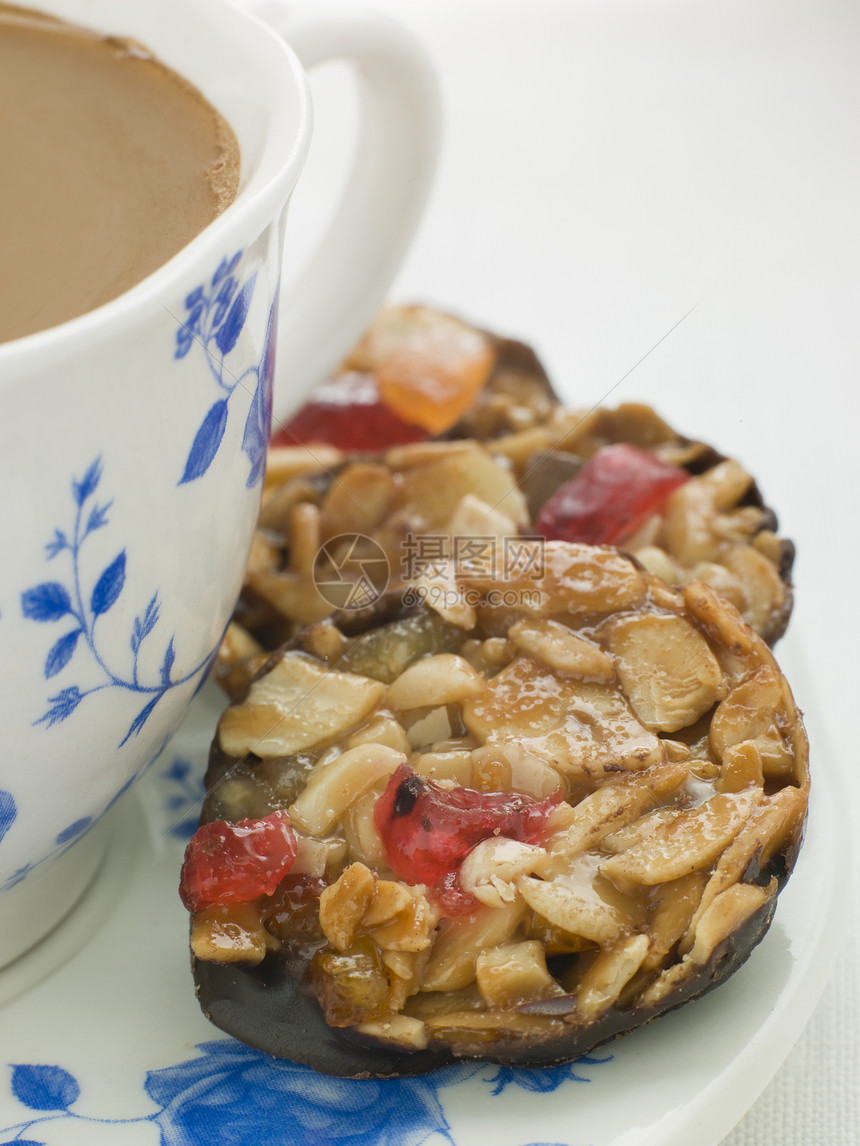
[111,161]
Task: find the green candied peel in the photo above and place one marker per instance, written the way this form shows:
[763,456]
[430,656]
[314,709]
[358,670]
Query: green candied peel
[385,652]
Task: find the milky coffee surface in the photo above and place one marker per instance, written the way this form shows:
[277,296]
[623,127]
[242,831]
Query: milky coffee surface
[110,163]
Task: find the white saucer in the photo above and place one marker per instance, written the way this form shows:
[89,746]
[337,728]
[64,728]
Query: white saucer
[105,1043]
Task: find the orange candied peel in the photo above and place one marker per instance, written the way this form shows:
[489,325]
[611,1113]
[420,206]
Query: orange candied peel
[430,367]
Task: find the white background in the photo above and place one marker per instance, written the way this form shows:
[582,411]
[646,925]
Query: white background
[609,167]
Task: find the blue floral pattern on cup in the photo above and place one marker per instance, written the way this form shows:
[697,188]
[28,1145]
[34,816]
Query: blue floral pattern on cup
[216,316]
[83,613]
[233,1094]
[80,607]
[62,843]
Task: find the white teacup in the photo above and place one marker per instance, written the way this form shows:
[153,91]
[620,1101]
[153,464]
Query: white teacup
[133,438]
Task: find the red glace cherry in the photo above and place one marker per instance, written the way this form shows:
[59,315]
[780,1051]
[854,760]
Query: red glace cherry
[234,863]
[349,413]
[614,494]
[427,831]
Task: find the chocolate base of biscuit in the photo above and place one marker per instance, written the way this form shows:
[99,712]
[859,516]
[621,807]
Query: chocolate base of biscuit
[267,1008]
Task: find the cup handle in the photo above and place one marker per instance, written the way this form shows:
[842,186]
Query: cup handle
[327,308]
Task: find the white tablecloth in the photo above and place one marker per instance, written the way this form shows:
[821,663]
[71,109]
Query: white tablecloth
[609,167]
[815,1097]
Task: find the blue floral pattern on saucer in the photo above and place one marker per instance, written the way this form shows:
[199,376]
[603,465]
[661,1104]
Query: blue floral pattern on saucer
[183,797]
[8,812]
[232,1094]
